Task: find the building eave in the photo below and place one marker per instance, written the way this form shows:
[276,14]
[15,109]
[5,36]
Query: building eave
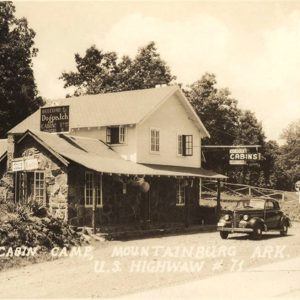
[47,147]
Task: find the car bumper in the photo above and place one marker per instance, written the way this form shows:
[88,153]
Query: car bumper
[234,229]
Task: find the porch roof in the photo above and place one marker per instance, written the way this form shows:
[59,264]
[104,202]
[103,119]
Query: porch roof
[95,155]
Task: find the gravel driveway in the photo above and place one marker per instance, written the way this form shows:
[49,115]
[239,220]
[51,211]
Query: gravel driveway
[119,268]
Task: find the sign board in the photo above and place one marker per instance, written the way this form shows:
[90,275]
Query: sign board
[25,164]
[31,164]
[17,165]
[237,162]
[55,119]
[241,156]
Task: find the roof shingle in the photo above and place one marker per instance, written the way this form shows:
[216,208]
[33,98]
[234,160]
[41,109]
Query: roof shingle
[121,108]
[96,155]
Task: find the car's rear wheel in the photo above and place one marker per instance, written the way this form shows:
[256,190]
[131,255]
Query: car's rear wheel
[224,235]
[257,232]
[284,229]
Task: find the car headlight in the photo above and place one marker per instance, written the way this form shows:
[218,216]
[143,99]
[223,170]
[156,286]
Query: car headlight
[245,217]
[226,217]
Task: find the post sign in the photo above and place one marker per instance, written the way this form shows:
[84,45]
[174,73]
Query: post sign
[55,119]
[17,165]
[31,164]
[241,156]
[297,186]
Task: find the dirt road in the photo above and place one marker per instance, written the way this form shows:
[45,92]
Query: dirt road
[122,268]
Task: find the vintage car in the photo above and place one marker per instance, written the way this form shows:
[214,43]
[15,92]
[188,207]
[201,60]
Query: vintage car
[254,216]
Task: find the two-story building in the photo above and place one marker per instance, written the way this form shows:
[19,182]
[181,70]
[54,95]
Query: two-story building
[117,158]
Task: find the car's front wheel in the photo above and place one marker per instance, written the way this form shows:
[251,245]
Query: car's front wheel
[257,232]
[284,229]
[224,235]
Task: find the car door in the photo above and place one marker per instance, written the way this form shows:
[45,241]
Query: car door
[272,214]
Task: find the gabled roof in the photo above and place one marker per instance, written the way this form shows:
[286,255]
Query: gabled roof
[129,107]
[3,147]
[95,155]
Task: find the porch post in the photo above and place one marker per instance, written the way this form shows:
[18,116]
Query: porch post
[94,207]
[218,197]
[187,206]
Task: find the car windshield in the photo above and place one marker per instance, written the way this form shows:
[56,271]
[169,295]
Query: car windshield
[254,203]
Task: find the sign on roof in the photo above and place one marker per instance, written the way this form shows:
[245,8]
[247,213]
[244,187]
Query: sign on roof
[55,119]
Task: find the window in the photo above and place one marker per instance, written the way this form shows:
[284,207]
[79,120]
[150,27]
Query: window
[39,186]
[185,145]
[21,186]
[154,140]
[116,135]
[89,178]
[269,205]
[93,189]
[180,193]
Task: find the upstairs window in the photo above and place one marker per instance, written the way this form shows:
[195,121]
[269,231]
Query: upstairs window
[115,135]
[185,145]
[154,140]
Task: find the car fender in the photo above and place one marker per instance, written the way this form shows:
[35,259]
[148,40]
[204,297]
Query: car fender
[284,219]
[257,221]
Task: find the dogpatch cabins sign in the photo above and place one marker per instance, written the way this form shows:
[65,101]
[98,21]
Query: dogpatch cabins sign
[242,156]
[55,119]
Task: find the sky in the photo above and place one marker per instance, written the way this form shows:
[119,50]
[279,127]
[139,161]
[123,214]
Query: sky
[252,47]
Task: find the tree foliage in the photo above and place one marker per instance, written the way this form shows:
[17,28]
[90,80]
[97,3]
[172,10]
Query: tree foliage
[229,125]
[288,160]
[104,72]
[18,93]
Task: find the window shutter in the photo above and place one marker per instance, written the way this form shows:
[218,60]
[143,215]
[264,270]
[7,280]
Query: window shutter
[184,145]
[108,135]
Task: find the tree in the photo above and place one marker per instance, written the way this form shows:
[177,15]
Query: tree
[230,125]
[103,72]
[288,161]
[216,108]
[220,115]
[18,92]
[250,132]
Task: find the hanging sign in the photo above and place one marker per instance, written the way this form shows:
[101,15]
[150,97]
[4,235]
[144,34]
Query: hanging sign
[55,119]
[241,156]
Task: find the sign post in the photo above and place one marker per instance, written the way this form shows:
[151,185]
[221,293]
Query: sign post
[297,188]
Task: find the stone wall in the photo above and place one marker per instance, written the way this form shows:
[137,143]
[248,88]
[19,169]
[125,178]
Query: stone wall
[56,177]
[6,183]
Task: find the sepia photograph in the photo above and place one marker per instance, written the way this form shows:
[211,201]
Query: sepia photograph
[150,149]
